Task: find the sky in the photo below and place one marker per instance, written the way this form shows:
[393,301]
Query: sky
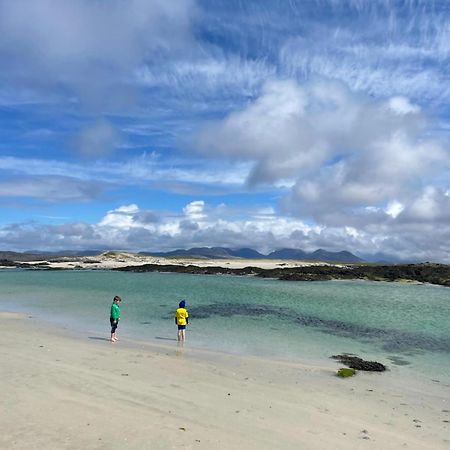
[151,125]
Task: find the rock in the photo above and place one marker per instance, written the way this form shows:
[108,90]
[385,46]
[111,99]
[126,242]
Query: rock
[357,363]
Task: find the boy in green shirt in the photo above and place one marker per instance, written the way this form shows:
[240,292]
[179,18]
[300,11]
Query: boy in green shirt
[115,317]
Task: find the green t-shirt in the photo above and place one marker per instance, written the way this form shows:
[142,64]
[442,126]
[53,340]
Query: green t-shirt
[115,311]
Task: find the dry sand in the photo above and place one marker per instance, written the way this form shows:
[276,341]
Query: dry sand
[63,392]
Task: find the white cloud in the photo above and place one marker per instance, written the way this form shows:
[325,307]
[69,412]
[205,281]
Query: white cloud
[174,175]
[266,131]
[123,228]
[432,205]
[121,217]
[55,188]
[394,208]
[345,151]
[92,48]
[118,228]
[195,210]
[353,232]
[402,105]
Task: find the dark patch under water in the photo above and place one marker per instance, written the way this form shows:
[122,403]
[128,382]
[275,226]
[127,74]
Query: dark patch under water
[398,360]
[392,340]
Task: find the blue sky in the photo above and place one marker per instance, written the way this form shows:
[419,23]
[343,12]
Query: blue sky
[152,125]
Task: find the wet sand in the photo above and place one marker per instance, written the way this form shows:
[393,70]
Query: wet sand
[62,391]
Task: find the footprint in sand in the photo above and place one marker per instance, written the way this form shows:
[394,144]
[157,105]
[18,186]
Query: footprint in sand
[364,435]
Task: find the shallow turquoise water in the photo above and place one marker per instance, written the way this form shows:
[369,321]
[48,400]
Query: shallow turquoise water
[405,326]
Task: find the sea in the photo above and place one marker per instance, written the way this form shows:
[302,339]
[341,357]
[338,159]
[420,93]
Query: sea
[405,326]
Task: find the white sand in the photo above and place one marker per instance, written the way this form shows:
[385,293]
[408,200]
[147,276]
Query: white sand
[113,260]
[59,392]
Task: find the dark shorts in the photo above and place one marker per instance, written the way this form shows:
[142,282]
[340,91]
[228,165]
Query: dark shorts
[181,327]
[114,324]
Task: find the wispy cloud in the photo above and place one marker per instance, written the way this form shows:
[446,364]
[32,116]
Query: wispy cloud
[88,47]
[55,188]
[208,76]
[97,140]
[145,169]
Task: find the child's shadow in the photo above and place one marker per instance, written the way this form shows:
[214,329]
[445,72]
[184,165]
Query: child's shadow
[165,338]
[99,338]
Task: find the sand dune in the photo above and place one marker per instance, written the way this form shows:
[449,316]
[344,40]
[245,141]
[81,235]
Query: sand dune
[114,260]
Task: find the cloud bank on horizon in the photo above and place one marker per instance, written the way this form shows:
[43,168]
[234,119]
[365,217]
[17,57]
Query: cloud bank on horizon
[150,125]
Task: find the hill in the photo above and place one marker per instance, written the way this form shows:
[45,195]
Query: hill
[248,253]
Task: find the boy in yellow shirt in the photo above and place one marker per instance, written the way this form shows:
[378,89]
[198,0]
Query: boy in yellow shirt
[181,319]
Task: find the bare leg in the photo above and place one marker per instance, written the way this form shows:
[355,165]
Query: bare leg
[113,336]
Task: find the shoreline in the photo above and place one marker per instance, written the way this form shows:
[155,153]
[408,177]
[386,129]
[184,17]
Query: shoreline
[186,398]
[283,270]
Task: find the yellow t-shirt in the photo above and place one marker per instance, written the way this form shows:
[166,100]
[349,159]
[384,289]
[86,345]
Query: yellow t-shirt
[181,315]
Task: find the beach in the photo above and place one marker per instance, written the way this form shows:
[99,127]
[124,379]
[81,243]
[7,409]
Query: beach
[63,390]
[116,260]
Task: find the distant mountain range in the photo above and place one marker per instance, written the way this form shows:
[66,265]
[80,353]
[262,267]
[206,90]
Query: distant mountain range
[249,253]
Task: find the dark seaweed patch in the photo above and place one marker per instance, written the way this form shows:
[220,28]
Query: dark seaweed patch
[238,309]
[398,361]
[392,340]
[359,364]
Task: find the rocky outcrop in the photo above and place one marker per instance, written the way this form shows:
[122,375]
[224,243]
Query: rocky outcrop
[424,273]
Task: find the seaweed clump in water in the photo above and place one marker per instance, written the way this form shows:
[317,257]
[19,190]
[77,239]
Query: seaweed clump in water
[354,362]
[346,372]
